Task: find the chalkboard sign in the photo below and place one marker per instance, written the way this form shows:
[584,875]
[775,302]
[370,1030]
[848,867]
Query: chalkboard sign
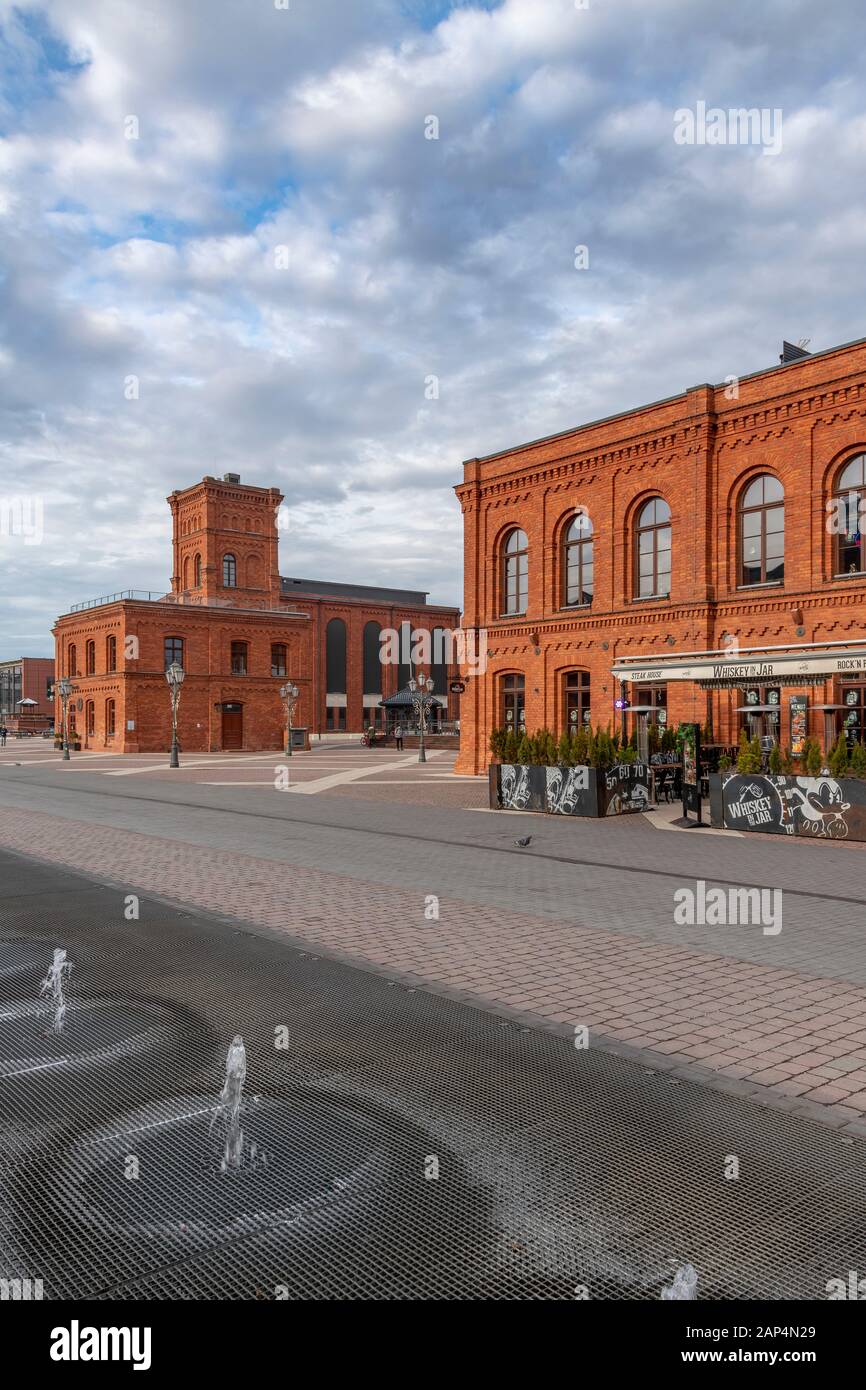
[799,712]
[691,734]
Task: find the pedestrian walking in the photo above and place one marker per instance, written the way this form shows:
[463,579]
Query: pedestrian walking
[3,735]
[398,737]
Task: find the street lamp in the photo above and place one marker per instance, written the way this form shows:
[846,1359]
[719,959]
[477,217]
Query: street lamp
[422,698]
[289,692]
[65,689]
[174,675]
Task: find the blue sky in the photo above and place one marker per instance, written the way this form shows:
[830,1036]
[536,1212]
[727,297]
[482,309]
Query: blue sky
[283,260]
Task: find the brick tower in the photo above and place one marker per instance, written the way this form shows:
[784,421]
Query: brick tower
[225,543]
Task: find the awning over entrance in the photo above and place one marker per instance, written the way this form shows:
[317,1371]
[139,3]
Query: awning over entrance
[807,664]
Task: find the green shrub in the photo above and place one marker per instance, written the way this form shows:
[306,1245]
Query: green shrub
[563,751]
[578,748]
[498,738]
[512,743]
[724,763]
[744,756]
[814,758]
[775,759]
[858,760]
[628,754]
[838,760]
[787,762]
[525,750]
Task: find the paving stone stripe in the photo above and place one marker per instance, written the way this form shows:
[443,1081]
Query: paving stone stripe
[779,1030]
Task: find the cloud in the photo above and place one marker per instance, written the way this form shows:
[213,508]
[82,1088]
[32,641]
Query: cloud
[284,261]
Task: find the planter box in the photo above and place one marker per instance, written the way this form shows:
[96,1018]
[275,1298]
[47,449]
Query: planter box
[820,808]
[570,791]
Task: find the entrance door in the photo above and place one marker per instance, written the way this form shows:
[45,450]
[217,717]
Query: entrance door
[233,726]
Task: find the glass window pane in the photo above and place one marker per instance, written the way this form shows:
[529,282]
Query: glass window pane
[663,539]
[645,540]
[775,570]
[663,511]
[773,490]
[751,523]
[754,494]
[775,519]
[645,565]
[852,474]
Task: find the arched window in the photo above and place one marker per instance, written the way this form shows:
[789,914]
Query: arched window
[577,561]
[230,572]
[90,718]
[72,660]
[186,572]
[513,701]
[335,657]
[196,570]
[372,660]
[439,660]
[849,495]
[576,706]
[762,532]
[653,551]
[278,659]
[90,658]
[111,653]
[110,718]
[515,575]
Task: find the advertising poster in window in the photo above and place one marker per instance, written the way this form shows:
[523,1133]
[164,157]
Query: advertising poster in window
[799,712]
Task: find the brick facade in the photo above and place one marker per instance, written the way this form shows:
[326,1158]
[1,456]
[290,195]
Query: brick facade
[225,589]
[699,451]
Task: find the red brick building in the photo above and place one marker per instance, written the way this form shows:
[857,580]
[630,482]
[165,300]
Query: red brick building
[240,631]
[701,555]
[26,695]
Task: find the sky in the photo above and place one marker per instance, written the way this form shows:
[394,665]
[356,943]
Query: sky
[228,242]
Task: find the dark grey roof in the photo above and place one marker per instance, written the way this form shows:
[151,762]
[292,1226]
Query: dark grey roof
[404,698]
[326,588]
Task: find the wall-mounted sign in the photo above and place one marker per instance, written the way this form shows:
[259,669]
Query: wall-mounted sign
[457,687]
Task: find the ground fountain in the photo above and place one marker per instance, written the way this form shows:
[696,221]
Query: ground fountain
[52,986]
[685,1285]
[227,1116]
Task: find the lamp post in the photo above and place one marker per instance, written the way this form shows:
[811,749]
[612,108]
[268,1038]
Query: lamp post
[174,675]
[422,698]
[289,692]
[64,689]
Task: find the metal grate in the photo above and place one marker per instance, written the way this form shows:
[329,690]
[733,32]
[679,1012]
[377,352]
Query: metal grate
[557,1168]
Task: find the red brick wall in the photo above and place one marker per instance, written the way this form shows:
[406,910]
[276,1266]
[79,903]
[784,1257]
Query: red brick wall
[698,450]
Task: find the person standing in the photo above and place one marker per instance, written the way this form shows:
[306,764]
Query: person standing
[2,735]
[398,737]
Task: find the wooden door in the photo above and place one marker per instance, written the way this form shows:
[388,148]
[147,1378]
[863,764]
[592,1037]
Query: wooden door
[233,727]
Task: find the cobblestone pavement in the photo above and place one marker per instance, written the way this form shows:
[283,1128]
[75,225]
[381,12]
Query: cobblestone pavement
[577,929]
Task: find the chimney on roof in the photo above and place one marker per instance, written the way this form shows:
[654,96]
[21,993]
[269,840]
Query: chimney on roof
[792,352]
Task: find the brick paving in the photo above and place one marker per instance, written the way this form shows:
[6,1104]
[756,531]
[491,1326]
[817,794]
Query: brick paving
[789,1035]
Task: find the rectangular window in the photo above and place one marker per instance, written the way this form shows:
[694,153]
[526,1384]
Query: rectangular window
[278,659]
[173,651]
[239,658]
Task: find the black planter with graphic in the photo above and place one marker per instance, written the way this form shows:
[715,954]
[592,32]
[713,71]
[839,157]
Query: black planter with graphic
[820,808]
[570,791]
